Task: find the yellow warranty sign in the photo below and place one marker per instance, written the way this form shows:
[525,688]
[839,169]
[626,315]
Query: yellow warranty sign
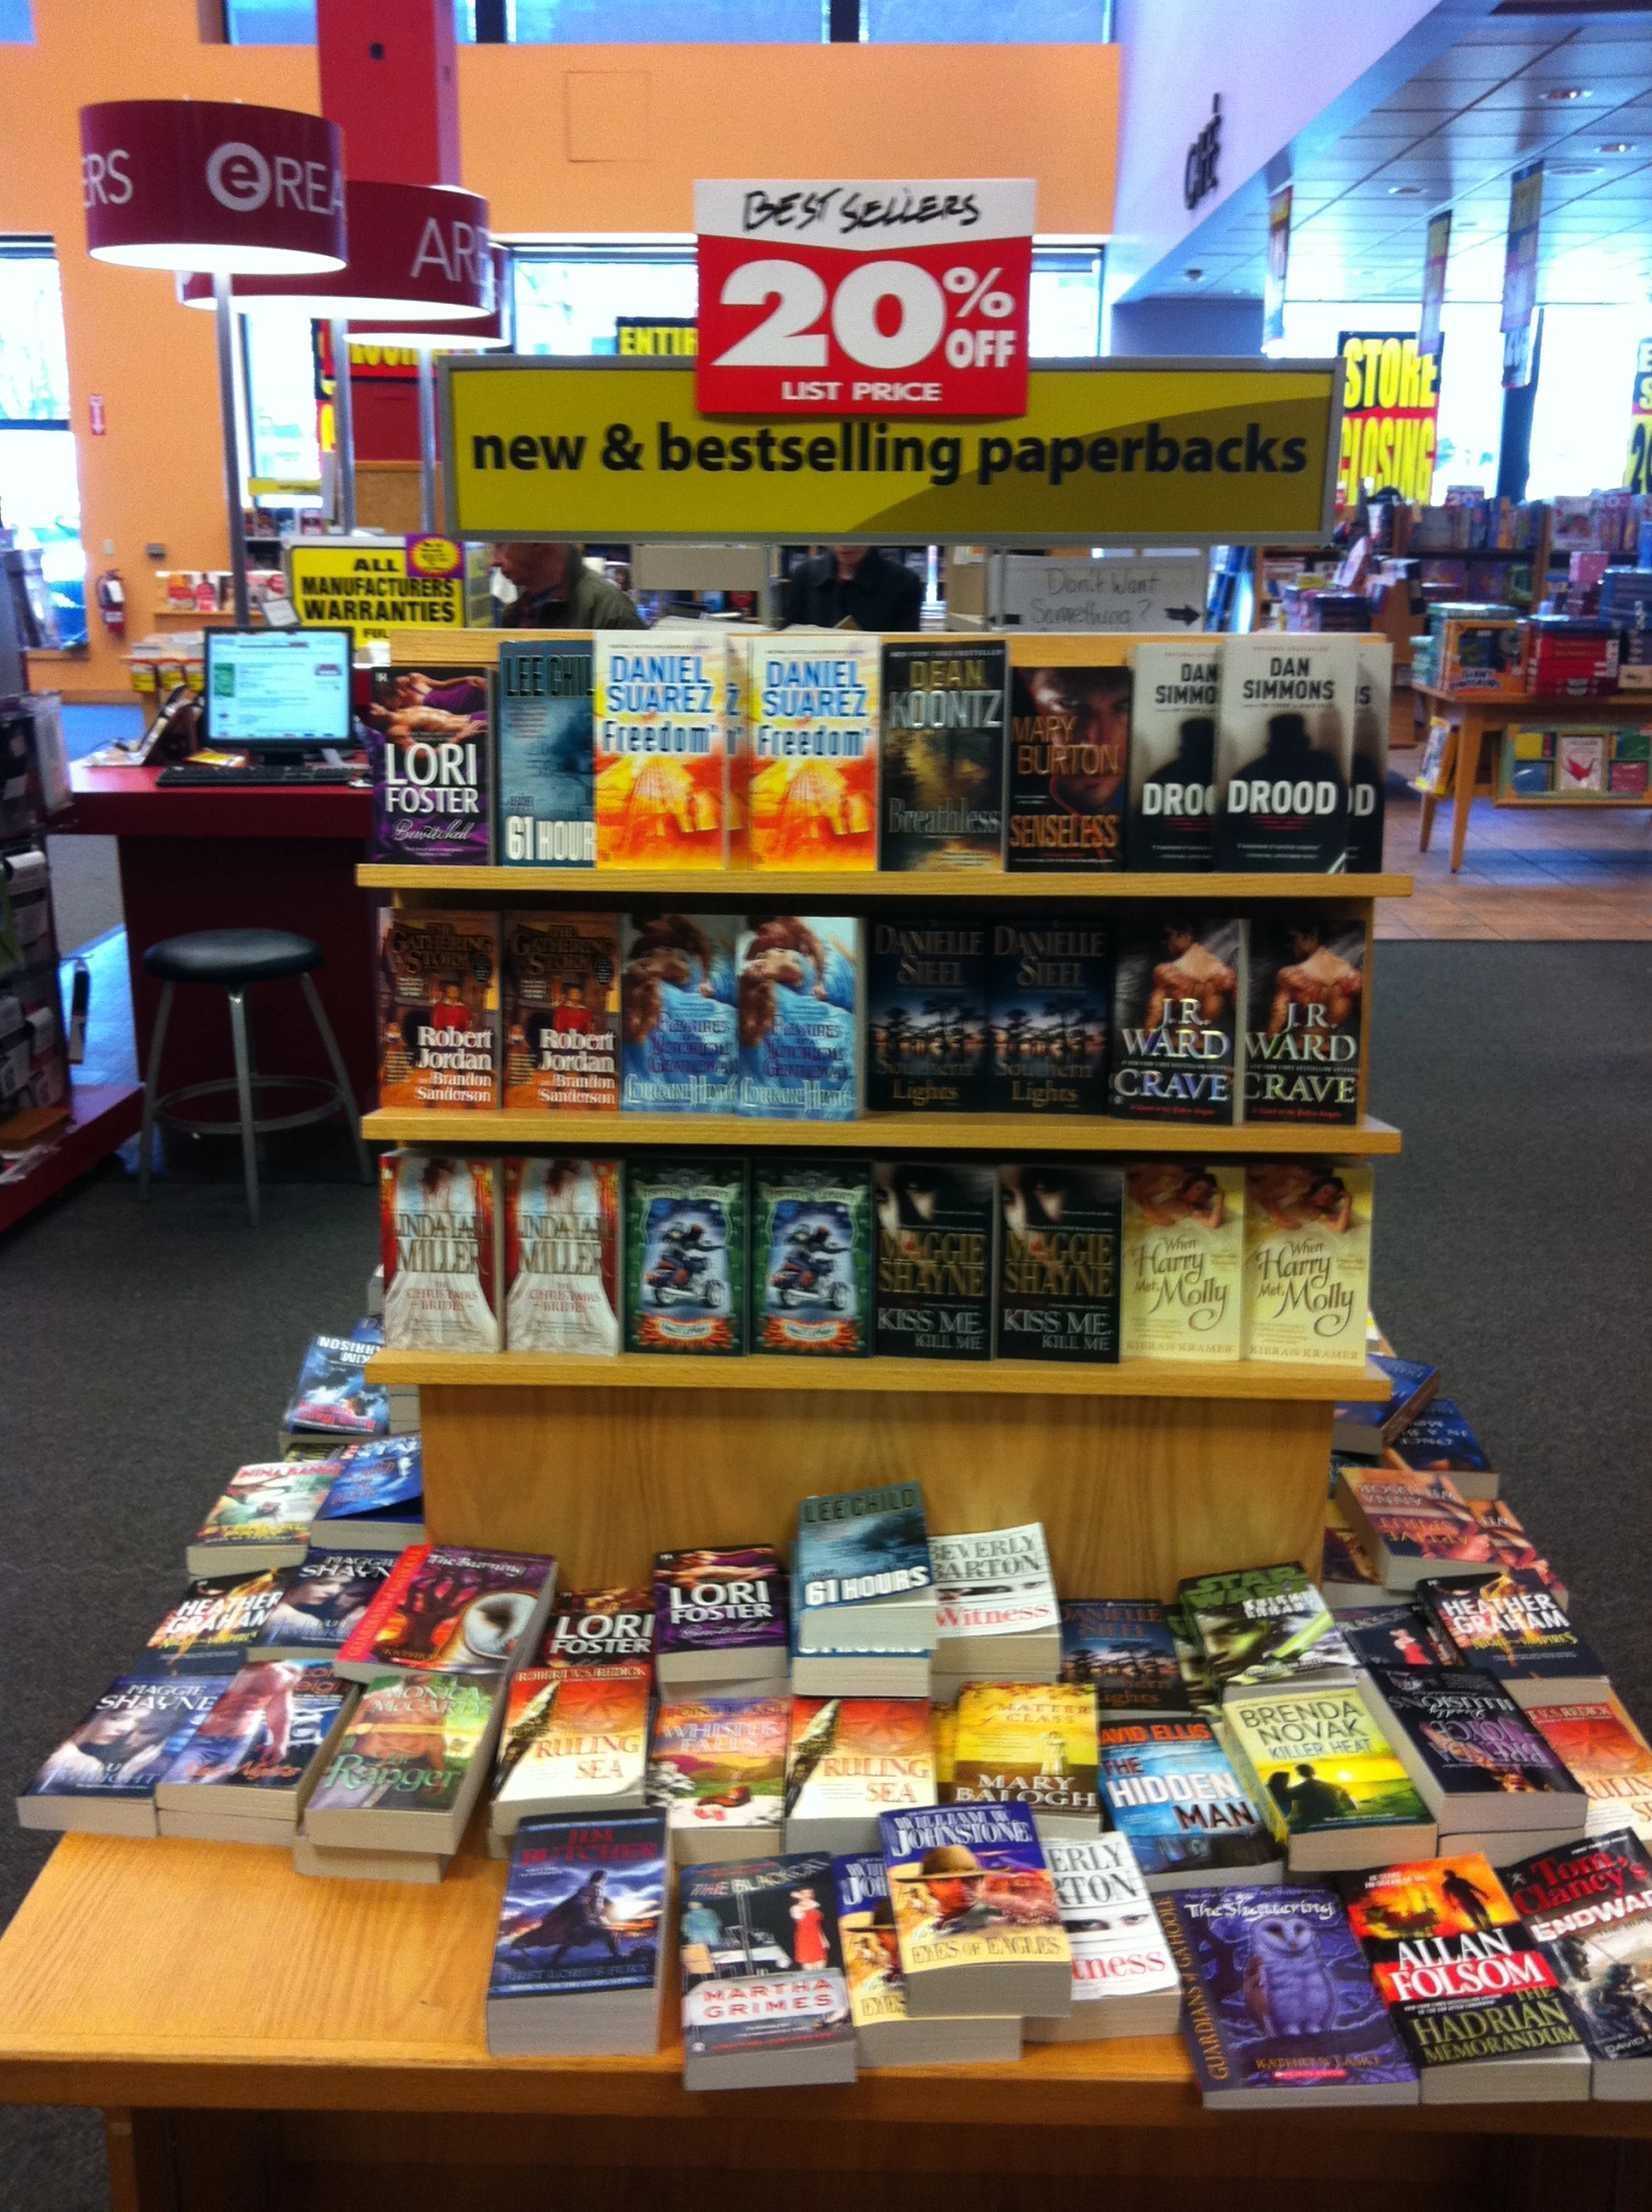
[369,590]
[1229,451]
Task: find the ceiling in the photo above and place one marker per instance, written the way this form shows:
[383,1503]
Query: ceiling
[1569,82]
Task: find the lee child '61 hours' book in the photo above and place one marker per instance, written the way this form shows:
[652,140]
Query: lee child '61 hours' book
[1070,739]
[942,793]
[933,1259]
[547,809]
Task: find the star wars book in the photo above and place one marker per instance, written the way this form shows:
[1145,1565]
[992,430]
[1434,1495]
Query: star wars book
[377,1499]
[1193,1660]
[214,1624]
[1284,754]
[1067,783]
[1264,1624]
[976,1912]
[997,1616]
[764,2000]
[1512,1627]
[1121,1650]
[685,1254]
[1177,1030]
[1050,987]
[430,754]
[850,1759]
[409,1765]
[1173,757]
[1480,1764]
[544,770]
[926,1013]
[941,793]
[886,2033]
[933,1259]
[333,1396]
[811,1241]
[678,1011]
[1059,1261]
[720,1619]
[1184,1260]
[1308,1262]
[717,1770]
[561,1256]
[438,1011]
[578,1961]
[574,1740]
[1303,1028]
[1472,1996]
[1368,789]
[561,1011]
[263,1519]
[436,1223]
[863,1575]
[1326,1778]
[797,982]
[101,1780]
[598,1627]
[1604,1753]
[1032,1744]
[1589,1910]
[325,1598]
[809,752]
[1280,2009]
[660,759]
[1123,1980]
[1438,1440]
[247,1770]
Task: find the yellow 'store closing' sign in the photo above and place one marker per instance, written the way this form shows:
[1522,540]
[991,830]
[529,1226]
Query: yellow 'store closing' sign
[1232,451]
[1390,417]
[368,587]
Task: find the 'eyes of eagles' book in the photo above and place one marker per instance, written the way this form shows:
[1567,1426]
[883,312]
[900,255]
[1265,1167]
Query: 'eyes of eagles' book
[886,2033]
[1303,1028]
[1048,989]
[547,808]
[942,792]
[1070,739]
[811,1239]
[561,1011]
[934,1259]
[976,1912]
[1059,1261]
[926,1014]
[561,1255]
[436,1223]
[1177,1030]
[1173,757]
[427,740]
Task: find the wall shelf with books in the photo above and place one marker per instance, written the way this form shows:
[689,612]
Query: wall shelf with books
[717,888]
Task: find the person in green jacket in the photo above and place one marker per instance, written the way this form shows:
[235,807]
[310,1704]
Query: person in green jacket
[556,591]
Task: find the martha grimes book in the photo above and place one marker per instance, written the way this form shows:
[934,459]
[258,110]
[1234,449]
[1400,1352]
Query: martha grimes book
[1069,743]
[678,1020]
[1178,989]
[661,761]
[1302,1029]
[933,1259]
[436,1224]
[1123,1651]
[797,985]
[764,2000]
[1050,982]
[685,1254]
[430,748]
[561,1255]
[941,799]
[1284,754]
[1173,1796]
[811,1241]
[1308,1262]
[809,752]
[1590,1908]
[1184,1260]
[1059,1261]
[561,1011]
[1173,757]
[926,1013]
[546,785]
[438,1010]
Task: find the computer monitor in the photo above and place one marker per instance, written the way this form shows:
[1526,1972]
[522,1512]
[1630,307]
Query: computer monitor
[278,691]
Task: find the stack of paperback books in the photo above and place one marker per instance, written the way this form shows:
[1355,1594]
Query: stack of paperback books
[997,1616]
[864,1595]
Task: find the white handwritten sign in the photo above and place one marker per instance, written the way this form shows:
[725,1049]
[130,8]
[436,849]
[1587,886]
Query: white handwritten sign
[1130,598]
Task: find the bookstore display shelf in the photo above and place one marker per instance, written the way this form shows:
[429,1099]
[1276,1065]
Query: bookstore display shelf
[599,887]
[103,1116]
[1006,1133]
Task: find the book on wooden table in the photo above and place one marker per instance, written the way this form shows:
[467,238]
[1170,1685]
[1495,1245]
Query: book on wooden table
[1590,1909]
[717,1770]
[574,1740]
[215,1625]
[1122,1650]
[451,1609]
[1317,1761]
[409,1765]
[1172,1793]
[863,1571]
[248,1769]
[333,1396]
[1396,1635]
[764,2000]
[720,1619]
[377,1499]
[101,1780]
[886,2033]
[997,1616]
[1125,1982]
[1264,1624]
[849,1759]
[1367,1426]
[1031,1744]
[1513,1627]
[325,1596]
[976,1912]
[598,1627]
[1438,1440]
[1479,1763]
[263,1519]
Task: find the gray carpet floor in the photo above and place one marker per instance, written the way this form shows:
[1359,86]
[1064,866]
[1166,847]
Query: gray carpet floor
[151,1351]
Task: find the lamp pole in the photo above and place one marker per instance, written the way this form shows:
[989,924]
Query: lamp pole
[225,312]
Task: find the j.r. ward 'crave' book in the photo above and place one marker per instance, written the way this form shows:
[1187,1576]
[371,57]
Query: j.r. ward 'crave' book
[1070,740]
[1049,988]
[941,799]
[1302,1030]
[926,1013]
[1059,1261]
[1177,1032]
[561,1011]
[438,1011]
[933,1253]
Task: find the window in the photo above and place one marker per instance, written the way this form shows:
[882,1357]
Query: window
[987,22]
[40,494]
[270,22]
[280,359]
[653,22]
[17,23]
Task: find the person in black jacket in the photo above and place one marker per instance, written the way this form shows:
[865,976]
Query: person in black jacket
[860,585]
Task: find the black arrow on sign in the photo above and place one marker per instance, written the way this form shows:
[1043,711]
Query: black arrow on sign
[1188,614]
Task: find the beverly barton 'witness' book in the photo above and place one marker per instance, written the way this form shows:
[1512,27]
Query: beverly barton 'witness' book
[561,1255]
[1179,985]
[1070,740]
[926,1013]
[1049,991]
[263,1519]
[1184,1260]
[1059,1261]
[997,1616]
[1282,2013]
[1591,1911]
[717,1770]
[1284,754]
[409,1765]
[1302,1029]
[432,786]
[933,1252]
[764,2000]
[574,1740]
[1032,1744]
[1325,1777]
[886,2033]
[1123,1980]
[678,1016]
[1123,1651]
[850,1759]
[1173,757]
[451,1610]
[101,1781]
[547,804]
[812,1260]
[941,795]
[797,985]
[561,1011]
[976,1912]
[1171,1792]
[685,1254]
[1494,1785]
[660,762]
[1264,1624]
[720,1621]
[577,1965]
[1308,1262]
[598,1627]
[438,1011]
[436,1220]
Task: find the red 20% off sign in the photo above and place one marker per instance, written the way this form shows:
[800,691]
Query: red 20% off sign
[864,298]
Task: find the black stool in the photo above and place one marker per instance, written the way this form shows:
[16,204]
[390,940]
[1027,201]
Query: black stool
[234,959]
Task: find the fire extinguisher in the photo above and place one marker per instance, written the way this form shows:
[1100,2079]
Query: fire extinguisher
[111,603]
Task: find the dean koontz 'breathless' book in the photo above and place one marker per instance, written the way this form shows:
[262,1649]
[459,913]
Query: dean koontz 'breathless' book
[1173,757]
[1177,1030]
[808,751]
[1066,789]
[661,766]
[438,1010]
[798,980]
[577,1962]
[1184,1260]
[1050,984]
[764,2000]
[561,1255]
[1284,754]
[941,793]
[547,804]
[1302,1029]
[1308,1262]
[811,1256]
[926,1013]
[436,1223]
[1059,1261]
[685,1254]
[561,1011]
[678,1021]
[932,1258]
[432,781]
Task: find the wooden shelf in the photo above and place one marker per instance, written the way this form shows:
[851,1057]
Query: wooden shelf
[711,887]
[644,1370]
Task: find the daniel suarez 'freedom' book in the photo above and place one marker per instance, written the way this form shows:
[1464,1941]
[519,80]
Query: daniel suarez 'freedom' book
[561,1255]
[1070,739]
[1123,1980]
[933,1259]
[1591,1910]
[1178,1032]
[886,2033]
[720,1619]
[1284,754]
[438,1010]
[679,1025]
[1171,1792]
[561,1011]
[797,985]
[1173,757]
[976,1912]
[577,1965]
[436,1219]
[1050,983]
[660,763]
[1280,2009]
[764,2000]
[545,778]
[1302,1029]
[809,747]
[1184,1260]
[941,794]
[1059,1261]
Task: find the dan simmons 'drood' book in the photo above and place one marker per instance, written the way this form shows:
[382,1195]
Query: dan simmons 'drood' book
[577,1961]
[561,1255]
[1069,743]
[685,1254]
[1591,1910]
[1302,1029]
[1171,1792]
[679,1024]
[811,1241]
[1177,1030]
[432,781]
[1050,983]
[561,1011]
[1284,754]
[1059,1261]
[545,782]
[764,2000]
[933,1259]
[1173,757]
[436,1225]
[438,1010]
[797,985]
[926,1013]
[941,795]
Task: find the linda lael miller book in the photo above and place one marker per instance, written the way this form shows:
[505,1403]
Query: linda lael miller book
[926,1013]
[1179,985]
[1059,1261]
[799,999]
[1069,744]
[561,1255]
[1308,1262]
[685,1254]
[1184,1260]
[679,1024]
[428,744]
[807,767]
[933,1259]
[1284,754]
[811,1239]
[1173,757]
[941,794]
[660,759]
[438,1011]
[1302,1027]
[545,771]
[1048,986]
[436,1218]
[561,977]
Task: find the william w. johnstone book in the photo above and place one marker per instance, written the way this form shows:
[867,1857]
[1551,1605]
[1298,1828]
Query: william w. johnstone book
[976,1912]
[886,2033]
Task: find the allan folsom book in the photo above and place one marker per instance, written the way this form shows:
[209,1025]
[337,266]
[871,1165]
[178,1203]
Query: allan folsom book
[797,986]
[685,1254]
[1173,757]
[561,1011]
[1066,787]
[1172,1793]
[1049,985]
[812,1265]
[1178,989]
[432,782]
[764,2000]
[561,1255]
[1591,1910]
[1284,754]
[1059,1261]
[1302,1029]
[809,752]
[547,804]
[660,765]
[436,1225]
[941,794]
[1184,1260]
[933,1259]
[438,1011]
[1122,1650]
[679,1024]
[926,1013]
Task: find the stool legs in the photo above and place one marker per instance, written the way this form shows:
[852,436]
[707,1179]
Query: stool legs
[341,1077]
[243,1085]
[152,1087]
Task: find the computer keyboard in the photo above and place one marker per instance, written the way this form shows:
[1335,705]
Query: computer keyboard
[202,776]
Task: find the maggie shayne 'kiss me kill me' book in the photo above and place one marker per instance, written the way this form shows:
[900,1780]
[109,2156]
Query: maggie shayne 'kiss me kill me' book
[933,1249]
[1059,1261]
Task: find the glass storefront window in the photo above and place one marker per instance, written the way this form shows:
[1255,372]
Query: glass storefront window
[39,495]
[283,439]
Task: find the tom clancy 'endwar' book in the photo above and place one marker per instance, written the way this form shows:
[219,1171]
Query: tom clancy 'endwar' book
[561,1011]
[926,1013]
[1048,986]
[561,1255]
[427,740]
[933,1254]
[1302,1029]
[1059,1261]
[1173,757]
[811,1241]
[1178,990]
[678,1022]
[436,1223]
[1285,753]
[941,801]
[685,1254]
[797,982]
[546,785]
[1367,794]
[1070,740]
[1591,1909]
[438,1010]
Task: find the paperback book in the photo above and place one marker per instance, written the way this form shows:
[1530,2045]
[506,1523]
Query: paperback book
[932,1291]
[1262,1625]
[1415,1524]
[1032,1744]
[660,766]
[1184,1260]
[1368,1427]
[1589,1910]
[863,1569]
[1284,754]
[1512,1627]
[809,752]
[376,1498]
[325,1598]
[1173,757]
[576,1964]
[214,1626]
[976,1914]
[811,1238]
[997,1616]
[1123,1980]
[1397,1634]
[574,1740]
[101,1780]
[409,1765]
[1348,1579]
[598,1627]
[764,2000]
[848,1761]
[561,1011]
[1326,1778]
[1438,1440]
[717,1770]
[1369,789]
[720,1618]
[797,981]
[432,785]
[561,1256]
[1123,1651]
[1308,1262]
[248,1764]
[1305,1019]
[1604,1753]
[333,1396]
[1477,1761]
[449,1609]
[1050,983]
[1171,1792]
[263,1519]
[436,1219]
[685,1254]
[1059,1261]
[886,2033]
[1177,1029]
[438,1011]
[926,1014]
[941,792]
[545,769]
[678,1014]
[1068,779]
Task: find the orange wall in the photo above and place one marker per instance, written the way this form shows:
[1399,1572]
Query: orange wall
[559,138]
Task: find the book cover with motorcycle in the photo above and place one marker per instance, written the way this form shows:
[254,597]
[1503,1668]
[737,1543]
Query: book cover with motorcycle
[812,1233]
[685,1253]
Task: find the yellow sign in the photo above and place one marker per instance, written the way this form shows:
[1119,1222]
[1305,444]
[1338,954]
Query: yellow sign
[1232,453]
[1637,472]
[1390,417]
[367,589]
